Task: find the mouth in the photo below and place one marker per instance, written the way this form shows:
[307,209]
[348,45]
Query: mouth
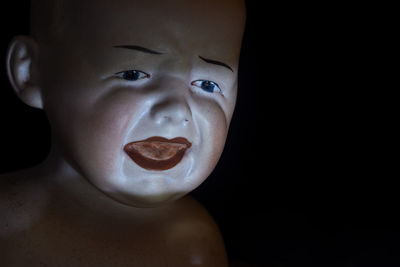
[157,153]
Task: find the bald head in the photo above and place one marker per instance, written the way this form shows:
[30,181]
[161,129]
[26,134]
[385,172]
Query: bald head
[52,19]
[46,18]
[111,71]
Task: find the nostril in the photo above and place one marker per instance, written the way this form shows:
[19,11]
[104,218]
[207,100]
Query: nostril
[172,111]
[167,118]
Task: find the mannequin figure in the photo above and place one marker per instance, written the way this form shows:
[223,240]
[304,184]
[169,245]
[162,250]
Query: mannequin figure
[139,95]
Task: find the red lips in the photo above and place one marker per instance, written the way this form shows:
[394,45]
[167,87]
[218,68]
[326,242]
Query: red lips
[157,153]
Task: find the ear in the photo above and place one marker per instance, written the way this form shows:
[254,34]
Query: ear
[22,67]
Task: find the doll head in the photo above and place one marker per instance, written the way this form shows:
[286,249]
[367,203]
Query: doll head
[139,94]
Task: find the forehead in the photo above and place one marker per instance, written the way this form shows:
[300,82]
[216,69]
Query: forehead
[216,25]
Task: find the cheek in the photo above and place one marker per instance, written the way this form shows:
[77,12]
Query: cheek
[92,131]
[108,125]
[212,121]
[104,135]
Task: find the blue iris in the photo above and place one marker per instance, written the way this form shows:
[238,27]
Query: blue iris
[208,86]
[131,75]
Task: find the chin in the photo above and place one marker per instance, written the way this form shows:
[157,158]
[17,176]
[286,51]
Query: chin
[148,201]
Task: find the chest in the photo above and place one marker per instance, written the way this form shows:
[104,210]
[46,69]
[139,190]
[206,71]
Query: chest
[57,244]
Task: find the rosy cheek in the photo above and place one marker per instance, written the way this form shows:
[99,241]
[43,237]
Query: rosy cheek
[213,114]
[105,129]
[213,121]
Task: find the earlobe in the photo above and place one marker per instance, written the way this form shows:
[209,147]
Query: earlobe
[21,66]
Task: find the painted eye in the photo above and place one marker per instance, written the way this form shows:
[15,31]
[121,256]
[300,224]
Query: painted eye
[132,75]
[207,86]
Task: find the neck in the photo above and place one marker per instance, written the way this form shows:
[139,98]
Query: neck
[70,187]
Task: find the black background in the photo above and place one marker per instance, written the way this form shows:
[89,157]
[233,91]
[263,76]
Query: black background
[308,176]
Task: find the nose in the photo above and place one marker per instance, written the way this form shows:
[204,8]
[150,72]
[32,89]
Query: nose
[172,110]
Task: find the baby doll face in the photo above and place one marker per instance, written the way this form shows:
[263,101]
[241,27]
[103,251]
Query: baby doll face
[140,94]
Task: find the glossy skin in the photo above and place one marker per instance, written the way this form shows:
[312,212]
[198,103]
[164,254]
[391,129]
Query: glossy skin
[94,111]
[41,225]
[84,83]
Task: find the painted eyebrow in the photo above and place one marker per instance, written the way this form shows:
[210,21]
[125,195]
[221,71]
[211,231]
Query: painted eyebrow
[149,51]
[138,48]
[216,62]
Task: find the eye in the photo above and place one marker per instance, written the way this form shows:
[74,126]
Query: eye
[132,75]
[207,86]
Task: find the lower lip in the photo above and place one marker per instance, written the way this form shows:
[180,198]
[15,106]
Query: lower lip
[158,147]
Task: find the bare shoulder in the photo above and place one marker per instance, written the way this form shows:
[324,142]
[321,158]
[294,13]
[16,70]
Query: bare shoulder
[185,235]
[196,236]
[21,200]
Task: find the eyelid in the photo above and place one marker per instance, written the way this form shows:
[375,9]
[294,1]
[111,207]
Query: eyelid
[120,73]
[193,83]
[219,90]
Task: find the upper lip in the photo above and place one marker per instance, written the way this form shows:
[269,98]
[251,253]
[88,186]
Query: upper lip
[177,140]
[157,153]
